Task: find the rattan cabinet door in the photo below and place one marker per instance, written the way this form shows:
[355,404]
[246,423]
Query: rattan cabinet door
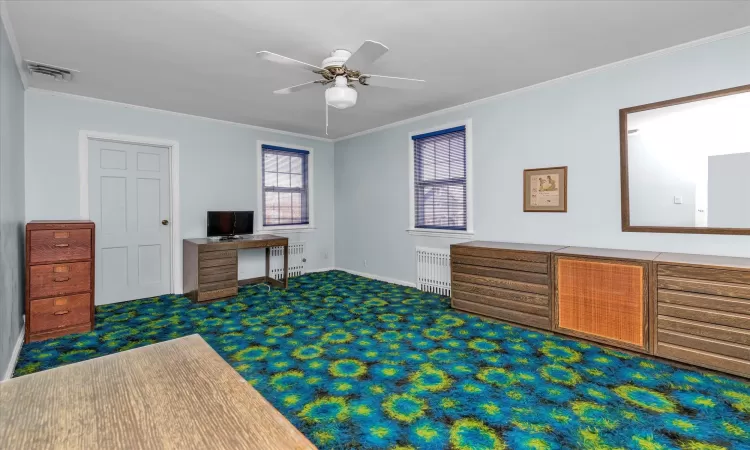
[602,300]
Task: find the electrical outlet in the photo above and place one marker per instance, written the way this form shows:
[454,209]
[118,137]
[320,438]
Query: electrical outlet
[324,255]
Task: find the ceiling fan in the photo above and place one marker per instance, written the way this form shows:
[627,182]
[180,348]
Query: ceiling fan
[343,70]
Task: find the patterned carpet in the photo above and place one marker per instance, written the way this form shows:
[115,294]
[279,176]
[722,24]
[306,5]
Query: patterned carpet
[357,363]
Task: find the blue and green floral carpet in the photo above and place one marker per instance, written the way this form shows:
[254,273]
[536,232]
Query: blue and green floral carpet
[357,363]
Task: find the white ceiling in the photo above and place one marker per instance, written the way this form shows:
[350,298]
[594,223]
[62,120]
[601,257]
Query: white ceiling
[198,57]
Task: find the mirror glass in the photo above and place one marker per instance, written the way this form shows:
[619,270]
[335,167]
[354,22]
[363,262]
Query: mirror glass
[689,164]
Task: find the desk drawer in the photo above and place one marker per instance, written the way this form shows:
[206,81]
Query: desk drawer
[222,254]
[218,285]
[59,245]
[219,262]
[219,276]
[51,280]
[60,312]
[219,293]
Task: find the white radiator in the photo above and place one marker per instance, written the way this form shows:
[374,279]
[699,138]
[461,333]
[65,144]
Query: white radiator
[296,260]
[434,270]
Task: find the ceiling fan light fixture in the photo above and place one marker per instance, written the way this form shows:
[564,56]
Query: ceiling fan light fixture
[341,96]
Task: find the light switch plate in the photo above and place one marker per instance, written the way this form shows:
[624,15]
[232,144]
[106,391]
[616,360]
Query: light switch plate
[677,200]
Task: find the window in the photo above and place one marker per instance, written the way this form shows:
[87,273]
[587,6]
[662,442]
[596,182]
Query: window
[285,186]
[440,174]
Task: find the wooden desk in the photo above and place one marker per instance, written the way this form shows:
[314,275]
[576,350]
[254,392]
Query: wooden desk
[209,267]
[178,394]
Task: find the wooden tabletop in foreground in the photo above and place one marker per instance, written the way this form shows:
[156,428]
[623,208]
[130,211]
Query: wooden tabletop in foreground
[178,394]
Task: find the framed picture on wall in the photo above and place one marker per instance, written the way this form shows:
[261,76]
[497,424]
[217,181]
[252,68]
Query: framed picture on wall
[545,190]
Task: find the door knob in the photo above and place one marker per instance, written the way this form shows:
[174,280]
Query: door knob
[165,222]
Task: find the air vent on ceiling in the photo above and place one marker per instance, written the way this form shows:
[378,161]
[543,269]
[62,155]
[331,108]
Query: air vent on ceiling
[58,73]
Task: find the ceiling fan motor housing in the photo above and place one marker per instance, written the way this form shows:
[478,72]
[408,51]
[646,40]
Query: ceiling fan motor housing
[337,58]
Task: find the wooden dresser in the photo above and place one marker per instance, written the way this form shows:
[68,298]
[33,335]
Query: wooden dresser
[503,280]
[694,309]
[59,278]
[702,312]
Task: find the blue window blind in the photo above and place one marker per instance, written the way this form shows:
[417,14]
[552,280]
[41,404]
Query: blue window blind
[440,179]
[285,190]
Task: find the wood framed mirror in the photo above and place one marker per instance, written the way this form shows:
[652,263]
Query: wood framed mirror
[685,164]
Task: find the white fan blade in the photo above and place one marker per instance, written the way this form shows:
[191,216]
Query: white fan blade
[297,88]
[393,82]
[368,52]
[273,57]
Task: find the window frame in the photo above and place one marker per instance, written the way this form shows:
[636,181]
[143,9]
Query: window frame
[413,229]
[261,190]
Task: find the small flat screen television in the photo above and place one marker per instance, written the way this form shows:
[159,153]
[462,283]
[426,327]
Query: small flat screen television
[229,223]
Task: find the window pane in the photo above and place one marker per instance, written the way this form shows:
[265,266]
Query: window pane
[271,179]
[285,199]
[427,155]
[457,159]
[284,163]
[296,181]
[296,199]
[284,180]
[296,164]
[272,199]
[285,215]
[270,162]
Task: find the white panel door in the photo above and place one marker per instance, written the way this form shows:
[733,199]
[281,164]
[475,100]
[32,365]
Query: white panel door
[129,198]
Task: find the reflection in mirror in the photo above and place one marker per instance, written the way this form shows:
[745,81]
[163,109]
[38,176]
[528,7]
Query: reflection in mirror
[688,164]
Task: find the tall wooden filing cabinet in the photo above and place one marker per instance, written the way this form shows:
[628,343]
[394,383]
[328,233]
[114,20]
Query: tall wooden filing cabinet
[59,278]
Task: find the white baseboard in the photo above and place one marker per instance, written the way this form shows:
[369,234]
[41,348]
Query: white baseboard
[379,278]
[16,351]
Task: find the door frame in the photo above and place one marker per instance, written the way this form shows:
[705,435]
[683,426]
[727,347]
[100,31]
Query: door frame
[173,152]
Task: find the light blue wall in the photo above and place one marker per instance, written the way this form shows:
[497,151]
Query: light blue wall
[11,203]
[573,122]
[218,168]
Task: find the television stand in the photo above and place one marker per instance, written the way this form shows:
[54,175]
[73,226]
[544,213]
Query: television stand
[209,267]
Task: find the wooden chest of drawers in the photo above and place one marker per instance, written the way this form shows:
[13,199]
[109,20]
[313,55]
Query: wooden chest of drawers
[504,281]
[59,278]
[703,311]
[210,271]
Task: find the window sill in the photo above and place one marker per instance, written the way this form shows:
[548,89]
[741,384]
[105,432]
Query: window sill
[285,230]
[440,233]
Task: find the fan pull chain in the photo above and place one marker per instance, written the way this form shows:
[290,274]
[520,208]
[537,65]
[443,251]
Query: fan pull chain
[326,118]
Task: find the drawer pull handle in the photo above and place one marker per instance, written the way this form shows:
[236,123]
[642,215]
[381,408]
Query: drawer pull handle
[61,280]
[62,245]
[61,313]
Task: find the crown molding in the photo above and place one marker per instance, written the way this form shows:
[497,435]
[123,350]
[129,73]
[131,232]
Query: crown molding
[175,113]
[664,51]
[13,43]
